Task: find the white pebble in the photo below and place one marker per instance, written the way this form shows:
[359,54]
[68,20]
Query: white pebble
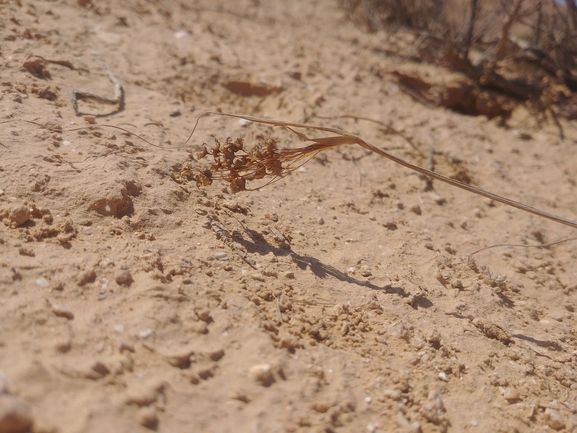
[66,143]
[244,122]
[145,334]
[119,328]
[42,282]
[220,255]
[181,34]
[443,376]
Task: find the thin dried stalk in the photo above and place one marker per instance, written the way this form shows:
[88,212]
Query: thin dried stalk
[289,160]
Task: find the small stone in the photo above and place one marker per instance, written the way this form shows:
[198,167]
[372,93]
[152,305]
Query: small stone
[554,419]
[443,376]
[321,221]
[216,355]
[123,276]
[63,310]
[125,345]
[203,314]
[20,215]
[119,328]
[15,415]
[557,317]
[289,275]
[144,334]
[42,282]
[147,416]
[262,373]
[416,209]
[63,345]
[89,119]
[220,255]
[438,199]
[511,394]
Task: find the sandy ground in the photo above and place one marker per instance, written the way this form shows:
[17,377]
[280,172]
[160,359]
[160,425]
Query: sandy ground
[342,298]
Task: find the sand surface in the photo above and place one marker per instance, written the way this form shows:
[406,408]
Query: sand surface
[341,298]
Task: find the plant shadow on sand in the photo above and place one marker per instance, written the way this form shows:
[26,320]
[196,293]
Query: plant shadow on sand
[259,245]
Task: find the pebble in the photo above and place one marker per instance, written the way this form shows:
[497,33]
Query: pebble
[144,334]
[125,345]
[554,419]
[438,199]
[511,394]
[15,415]
[289,274]
[262,373]
[63,345]
[123,276]
[416,209]
[63,310]
[443,376]
[147,416]
[20,215]
[42,282]
[221,255]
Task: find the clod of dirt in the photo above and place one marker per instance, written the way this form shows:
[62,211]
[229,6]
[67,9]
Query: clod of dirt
[491,330]
[262,373]
[554,419]
[123,277]
[37,67]
[434,409]
[245,88]
[145,393]
[20,215]
[511,395]
[113,201]
[147,416]
[15,415]
[85,277]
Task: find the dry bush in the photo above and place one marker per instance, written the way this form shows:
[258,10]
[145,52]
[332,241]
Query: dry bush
[512,52]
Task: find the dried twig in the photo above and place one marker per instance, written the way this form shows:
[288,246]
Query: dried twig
[118,97]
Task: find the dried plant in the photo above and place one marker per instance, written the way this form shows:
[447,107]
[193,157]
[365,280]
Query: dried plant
[237,166]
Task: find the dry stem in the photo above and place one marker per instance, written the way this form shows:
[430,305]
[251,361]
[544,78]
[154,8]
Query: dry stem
[289,157]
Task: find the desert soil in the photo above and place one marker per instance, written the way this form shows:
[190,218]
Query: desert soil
[342,298]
